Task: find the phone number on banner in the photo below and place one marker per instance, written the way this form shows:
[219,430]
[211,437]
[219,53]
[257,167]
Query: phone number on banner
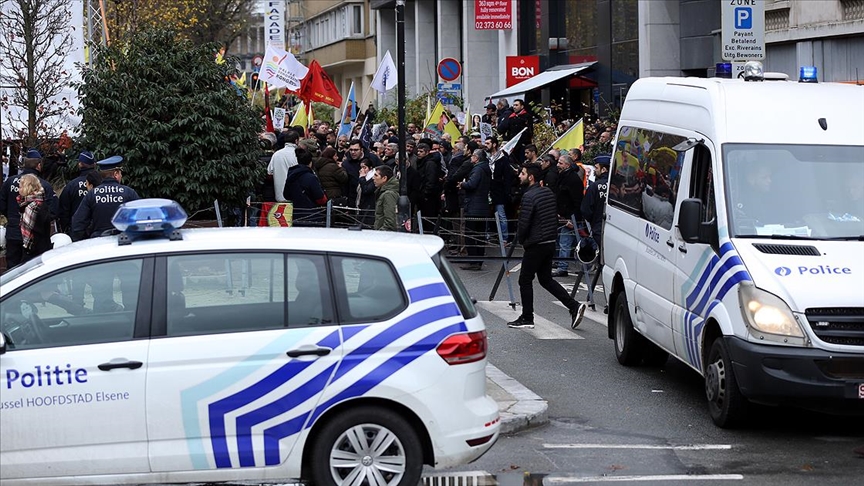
[493,25]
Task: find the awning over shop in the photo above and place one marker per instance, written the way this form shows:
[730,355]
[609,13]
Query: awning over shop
[542,79]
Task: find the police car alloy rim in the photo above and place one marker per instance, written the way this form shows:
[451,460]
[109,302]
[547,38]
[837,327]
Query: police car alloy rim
[368,451]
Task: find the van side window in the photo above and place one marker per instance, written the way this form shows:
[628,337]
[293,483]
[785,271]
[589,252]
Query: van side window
[85,305]
[702,182]
[367,289]
[645,174]
[217,293]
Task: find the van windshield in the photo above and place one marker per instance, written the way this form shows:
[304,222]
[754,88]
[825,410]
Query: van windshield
[794,191]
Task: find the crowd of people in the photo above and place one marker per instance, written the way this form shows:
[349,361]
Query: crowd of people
[462,185]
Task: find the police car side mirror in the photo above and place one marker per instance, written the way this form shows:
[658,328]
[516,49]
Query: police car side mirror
[690,219]
[2,343]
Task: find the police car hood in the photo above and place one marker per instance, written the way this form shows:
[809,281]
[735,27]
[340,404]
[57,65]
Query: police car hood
[808,273]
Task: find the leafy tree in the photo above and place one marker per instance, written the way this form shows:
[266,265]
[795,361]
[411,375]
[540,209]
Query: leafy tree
[165,105]
[36,37]
[200,21]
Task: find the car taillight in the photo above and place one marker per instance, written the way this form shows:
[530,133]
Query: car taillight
[463,348]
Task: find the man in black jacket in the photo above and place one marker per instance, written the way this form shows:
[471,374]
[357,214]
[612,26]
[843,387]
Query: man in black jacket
[304,191]
[538,229]
[569,198]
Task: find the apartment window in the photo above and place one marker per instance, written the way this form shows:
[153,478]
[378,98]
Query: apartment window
[357,20]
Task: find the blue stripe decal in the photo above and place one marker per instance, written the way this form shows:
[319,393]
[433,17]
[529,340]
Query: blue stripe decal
[715,281]
[391,334]
[217,410]
[419,271]
[281,405]
[274,434]
[351,330]
[428,292]
[701,283]
[190,397]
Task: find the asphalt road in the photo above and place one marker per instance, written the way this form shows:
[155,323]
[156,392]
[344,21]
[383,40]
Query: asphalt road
[642,425]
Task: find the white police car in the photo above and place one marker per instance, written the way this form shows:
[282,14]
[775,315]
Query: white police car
[335,356]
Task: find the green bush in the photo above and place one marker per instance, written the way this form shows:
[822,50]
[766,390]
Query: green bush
[167,108]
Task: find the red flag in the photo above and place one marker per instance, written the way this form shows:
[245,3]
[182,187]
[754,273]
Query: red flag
[267,116]
[317,86]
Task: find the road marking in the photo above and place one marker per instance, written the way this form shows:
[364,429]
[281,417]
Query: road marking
[543,328]
[595,316]
[690,447]
[664,477]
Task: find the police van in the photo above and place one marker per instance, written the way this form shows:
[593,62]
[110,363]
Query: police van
[201,355]
[734,238]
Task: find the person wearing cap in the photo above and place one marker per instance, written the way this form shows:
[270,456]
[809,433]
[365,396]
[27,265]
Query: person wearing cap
[93,216]
[594,209]
[490,117]
[9,206]
[74,191]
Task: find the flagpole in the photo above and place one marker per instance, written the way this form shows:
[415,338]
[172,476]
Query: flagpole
[403,205]
[365,98]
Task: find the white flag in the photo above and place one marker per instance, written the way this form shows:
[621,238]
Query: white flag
[511,144]
[385,77]
[281,69]
[278,118]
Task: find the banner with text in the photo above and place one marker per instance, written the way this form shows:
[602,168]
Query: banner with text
[493,15]
[274,23]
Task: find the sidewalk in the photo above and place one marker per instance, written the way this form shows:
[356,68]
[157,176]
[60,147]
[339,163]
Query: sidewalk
[520,407]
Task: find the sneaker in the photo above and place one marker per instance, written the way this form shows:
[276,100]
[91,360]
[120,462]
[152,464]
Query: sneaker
[576,315]
[591,306]
[521,323]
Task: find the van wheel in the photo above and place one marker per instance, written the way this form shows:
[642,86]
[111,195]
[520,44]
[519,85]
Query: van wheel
[370,446]
[628,343]
[727,405]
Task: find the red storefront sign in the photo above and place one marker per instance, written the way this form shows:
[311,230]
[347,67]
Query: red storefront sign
[493,14]
[520,68]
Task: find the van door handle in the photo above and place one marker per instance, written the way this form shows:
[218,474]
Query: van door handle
[682,248]
[132,365]
[670,243]
[296,353]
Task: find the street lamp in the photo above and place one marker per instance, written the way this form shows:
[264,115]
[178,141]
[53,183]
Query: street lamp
[404,206]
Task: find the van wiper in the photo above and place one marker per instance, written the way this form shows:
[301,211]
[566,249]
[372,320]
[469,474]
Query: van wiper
[845,238]
[780,237]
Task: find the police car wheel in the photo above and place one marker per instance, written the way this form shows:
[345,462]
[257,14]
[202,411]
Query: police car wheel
[726,404]
[629,345]
[372,442]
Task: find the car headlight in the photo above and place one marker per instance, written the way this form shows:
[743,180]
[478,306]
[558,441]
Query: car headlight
[768,316]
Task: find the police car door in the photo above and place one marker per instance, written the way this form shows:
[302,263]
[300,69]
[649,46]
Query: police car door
[249,345]
[650,183]
[73,374]
[700,273]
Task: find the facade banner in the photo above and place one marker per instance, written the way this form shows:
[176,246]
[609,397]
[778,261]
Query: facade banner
[274,23]
[493,14]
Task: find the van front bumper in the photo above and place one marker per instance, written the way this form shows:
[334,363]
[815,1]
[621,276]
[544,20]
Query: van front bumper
[804,375]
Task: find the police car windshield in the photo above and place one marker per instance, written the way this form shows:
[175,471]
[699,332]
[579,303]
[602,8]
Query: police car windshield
[808,191]
[23,268]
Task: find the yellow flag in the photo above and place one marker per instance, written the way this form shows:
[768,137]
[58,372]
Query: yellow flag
[242,81]
[438,123]
[573,138]
[302,116]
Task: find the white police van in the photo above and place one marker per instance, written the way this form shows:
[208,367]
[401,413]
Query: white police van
[239,354]
[734,238]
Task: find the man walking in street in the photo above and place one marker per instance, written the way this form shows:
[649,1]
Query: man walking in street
[537,231]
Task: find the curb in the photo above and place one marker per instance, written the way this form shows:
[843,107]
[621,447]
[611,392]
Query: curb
[527,411]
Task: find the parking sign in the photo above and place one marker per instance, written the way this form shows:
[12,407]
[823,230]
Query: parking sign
[743,30]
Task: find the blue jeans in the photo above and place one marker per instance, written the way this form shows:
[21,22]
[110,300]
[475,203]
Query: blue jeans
[586,269]
[566,238]
[502,220]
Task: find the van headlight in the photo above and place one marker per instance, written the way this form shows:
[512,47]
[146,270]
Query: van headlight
[768,317]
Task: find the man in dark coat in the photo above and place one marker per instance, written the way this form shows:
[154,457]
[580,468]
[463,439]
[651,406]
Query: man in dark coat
[538,228]
[304,191]
[569,199]
[74,191]
[429,169]
[477,206]
[94,214]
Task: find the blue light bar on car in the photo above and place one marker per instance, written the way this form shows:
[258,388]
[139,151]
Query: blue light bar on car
[808,74]
[149,217]
[723,70]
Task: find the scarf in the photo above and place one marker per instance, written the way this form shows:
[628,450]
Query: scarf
[29,207]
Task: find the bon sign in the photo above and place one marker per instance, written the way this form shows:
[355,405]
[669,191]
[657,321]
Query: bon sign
[520,68]
[493,14]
